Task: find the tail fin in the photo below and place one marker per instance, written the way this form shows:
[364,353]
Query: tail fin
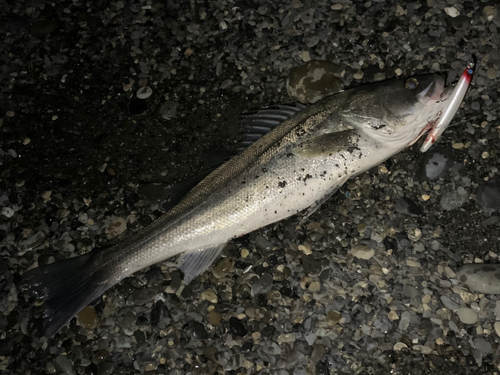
[66,288]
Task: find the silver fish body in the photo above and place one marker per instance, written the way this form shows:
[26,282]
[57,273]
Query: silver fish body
[295,166]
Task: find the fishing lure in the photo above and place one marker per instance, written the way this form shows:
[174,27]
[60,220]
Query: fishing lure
[449,111]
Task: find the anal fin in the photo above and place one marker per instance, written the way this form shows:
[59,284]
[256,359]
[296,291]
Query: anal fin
[196,262]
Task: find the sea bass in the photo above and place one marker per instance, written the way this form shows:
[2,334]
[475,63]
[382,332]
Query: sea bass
[295,166]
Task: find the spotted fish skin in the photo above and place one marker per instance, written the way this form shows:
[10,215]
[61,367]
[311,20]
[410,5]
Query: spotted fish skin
[295,166]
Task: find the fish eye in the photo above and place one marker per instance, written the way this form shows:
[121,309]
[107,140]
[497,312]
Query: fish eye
[411,83]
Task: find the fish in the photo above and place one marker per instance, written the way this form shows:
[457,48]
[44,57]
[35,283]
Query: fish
[305,155]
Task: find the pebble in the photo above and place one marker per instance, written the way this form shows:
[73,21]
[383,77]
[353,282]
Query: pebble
[64,364]
[214,317]
[436,164]
[454,199]
[144,92]
[483,345]
[263,243]
[333,317]
[196,330]
[490,12]
[128,323]
[285,337]
[362,252]
[311,337]
[414,234]
[237,327]
[467,315]
[400,346]
[209,295]
[452,11]
[312,81]
[406,206]
[315,286]
[497,328]
[88,318]
[404,322]
[263,285]
[449,303]
[117,227]
[491,73]
[7,212]
[480,278]
[223,267]
[488,196]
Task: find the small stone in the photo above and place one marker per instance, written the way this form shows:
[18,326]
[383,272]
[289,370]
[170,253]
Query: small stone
[117,227]
[263,285]
[483,345]
[209,295]
[144,92]
[406,206]
[214,317]
[333,317]
[244,253]
[223,267]
[412,263]
[414,234]
[359,74]
[285,337]
[305,56]
[305,249]
[263,243]
[411,292]
[196,330]
[237,327]
[449,303]
[64,364]
[400,346]
[7,212]
[393,315]
[315,286]
[497,328]
[88,318]
[311,337]
[452,11]
[480,278]
[490,12]
[454,199]
[404,322]
[128,324]
[467,315]
[491,73]
[362,252]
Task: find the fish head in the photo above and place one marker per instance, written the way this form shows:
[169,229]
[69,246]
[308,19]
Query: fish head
[396,112]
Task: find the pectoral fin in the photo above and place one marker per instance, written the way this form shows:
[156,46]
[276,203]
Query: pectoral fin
[194,263]
[327,144]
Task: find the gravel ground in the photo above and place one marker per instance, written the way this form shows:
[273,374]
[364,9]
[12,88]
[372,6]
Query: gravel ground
[105,105]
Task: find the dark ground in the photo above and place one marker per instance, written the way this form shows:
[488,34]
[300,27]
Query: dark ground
[67,127]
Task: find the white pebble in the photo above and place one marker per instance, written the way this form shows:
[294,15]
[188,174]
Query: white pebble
[452,12]
[144,92]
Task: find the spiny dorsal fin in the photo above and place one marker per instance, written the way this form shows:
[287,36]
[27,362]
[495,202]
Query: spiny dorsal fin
[260,122]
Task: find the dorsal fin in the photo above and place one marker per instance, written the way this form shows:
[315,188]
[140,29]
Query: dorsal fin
[258,123]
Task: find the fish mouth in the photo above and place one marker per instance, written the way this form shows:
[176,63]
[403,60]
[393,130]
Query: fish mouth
[435,92]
